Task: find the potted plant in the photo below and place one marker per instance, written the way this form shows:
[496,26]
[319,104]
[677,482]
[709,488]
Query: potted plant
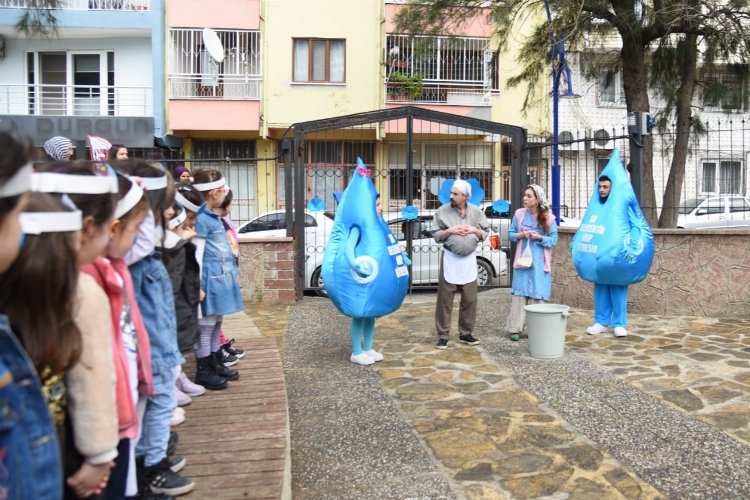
[403,86]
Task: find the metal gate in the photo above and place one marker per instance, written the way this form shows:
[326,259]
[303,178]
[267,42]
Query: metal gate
[410,151]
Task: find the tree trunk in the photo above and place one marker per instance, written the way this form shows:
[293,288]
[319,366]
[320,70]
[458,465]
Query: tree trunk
[635,78]
[673,189]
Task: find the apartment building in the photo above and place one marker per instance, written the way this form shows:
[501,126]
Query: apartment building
[101,72]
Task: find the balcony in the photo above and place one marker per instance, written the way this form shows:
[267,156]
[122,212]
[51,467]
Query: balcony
[451,93]
[214,86]
[117,5]
[75,100]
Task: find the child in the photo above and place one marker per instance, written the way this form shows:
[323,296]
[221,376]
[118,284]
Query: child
[230,354]
[153,292]
[28,443]
[37,293]
[90,383]
[219,276]
[190,199]
[178,255]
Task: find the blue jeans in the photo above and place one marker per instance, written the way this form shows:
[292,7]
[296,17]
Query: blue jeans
[152,444]
[30,464]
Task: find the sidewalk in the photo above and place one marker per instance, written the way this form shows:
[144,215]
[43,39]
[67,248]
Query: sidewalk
[663,413]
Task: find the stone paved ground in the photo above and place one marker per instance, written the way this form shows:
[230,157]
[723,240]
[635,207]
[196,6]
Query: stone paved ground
[661,413]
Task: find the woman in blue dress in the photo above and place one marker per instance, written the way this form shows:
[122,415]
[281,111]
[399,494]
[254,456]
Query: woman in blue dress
[533,226]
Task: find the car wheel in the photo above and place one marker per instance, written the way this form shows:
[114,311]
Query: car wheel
[317,282]
[484,272]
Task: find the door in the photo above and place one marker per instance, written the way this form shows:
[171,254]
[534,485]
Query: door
[52,80]
[87,81]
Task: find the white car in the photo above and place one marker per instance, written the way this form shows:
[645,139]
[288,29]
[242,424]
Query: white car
[714,212]
[272,224]
[425,254]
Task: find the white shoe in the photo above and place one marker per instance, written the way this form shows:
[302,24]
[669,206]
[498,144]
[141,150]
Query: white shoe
[182,398]
[361,359]
[596,329]
[375,355]
[620,331]
[179,410]
[177,419]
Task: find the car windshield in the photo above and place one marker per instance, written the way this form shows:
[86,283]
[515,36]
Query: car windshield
[689,205]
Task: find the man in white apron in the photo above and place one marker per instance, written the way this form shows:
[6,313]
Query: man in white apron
[459,226]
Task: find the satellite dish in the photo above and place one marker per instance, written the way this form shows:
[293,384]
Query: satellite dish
[213,44]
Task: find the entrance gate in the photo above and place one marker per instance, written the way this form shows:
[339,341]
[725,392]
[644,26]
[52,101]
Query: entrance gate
[409,151]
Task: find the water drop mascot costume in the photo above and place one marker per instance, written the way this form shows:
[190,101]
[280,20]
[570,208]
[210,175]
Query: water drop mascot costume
[613,248]
[364,271]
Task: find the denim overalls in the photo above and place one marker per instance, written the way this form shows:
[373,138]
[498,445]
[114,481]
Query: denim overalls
[30,464]
[219,275]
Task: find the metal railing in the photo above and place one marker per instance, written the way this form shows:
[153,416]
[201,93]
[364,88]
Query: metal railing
[459,93]
[130,5]
[229,87]
[75,100]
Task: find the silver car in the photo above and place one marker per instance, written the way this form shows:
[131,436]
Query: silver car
[714,212]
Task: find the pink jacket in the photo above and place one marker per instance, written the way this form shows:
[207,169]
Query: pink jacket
[104,274]
[519,215]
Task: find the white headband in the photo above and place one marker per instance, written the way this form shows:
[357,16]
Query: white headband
[186,204]
[151,183]
[208,186]
[177,220]
[50,222]
[19,183]
[73,184]
[135,193]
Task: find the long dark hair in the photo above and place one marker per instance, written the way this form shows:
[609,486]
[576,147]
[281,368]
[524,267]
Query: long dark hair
[113,149]
[16,152]
[38,292]
[160,199]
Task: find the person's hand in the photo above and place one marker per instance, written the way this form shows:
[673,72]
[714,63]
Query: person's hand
[90,479]
[407,260]
[202,295]
[534,235]
[188,233]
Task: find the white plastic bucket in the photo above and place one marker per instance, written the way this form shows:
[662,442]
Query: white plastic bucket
[546,324]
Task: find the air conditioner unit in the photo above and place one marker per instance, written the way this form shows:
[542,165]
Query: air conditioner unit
[601,139]
[576,136]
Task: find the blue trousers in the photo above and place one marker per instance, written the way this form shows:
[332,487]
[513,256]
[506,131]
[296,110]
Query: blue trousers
[155,432]
[611,305]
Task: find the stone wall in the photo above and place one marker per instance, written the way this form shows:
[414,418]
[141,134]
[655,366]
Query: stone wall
[267,270]
[695,273]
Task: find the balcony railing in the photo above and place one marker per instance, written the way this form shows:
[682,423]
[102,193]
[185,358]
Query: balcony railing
[137,5]
[75,100]
[461,94]
[218,86]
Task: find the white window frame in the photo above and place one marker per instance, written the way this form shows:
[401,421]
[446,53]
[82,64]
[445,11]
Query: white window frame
[617,85]
[726,177]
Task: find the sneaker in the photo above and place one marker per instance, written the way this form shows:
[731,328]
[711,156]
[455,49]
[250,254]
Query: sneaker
[375,355]
[361,359]
[596,329]
[172,443]
[161,479]
[176,464]
[620,332]
[468,339]
[237,353]
[182,398]
[442,344]
[177,418]
[189,387]
[227,359]
[180,410]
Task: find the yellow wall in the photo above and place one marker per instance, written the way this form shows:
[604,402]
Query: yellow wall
[357,21]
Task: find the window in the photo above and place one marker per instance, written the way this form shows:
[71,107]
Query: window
[712,206]
[194,74]
[724,91]
[319,60]
[611,87]
[739,205]
[728,178]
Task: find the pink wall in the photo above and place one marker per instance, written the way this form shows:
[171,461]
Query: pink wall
[223,14]
[214,115]
[478,26]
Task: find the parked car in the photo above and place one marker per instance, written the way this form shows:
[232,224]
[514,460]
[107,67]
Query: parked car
[272,224]
[425,255]
[714,212]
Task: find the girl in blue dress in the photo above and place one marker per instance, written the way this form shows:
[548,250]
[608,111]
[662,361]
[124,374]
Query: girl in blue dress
[533,225]
[220,285]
